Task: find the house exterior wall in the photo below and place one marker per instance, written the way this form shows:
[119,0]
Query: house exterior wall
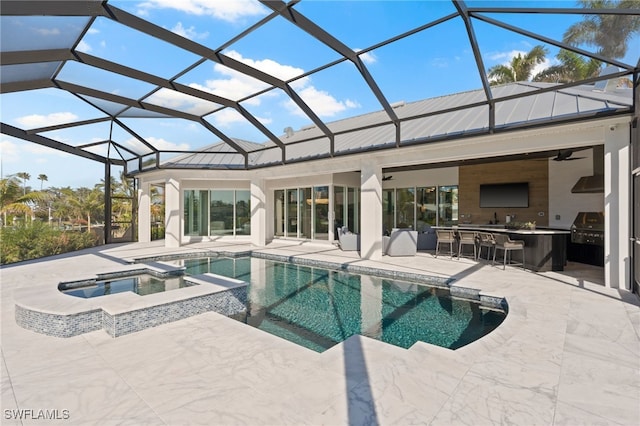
[562,205]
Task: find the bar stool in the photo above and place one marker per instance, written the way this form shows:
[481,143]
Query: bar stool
[446,237]
[507,245]
[486,240]
[467,238]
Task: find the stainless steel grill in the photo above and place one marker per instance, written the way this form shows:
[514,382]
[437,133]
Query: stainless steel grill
[588,228]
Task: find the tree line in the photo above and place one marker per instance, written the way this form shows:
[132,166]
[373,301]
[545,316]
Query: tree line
[62,207]
[48,221]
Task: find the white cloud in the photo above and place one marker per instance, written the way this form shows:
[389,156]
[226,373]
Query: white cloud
[189,33]
[368,57]
[226,117]
[47,32]
[320,102]
[93,31]
[9,151]
[440,63]
[83,46]
[229,116]
[234,85]
[160,144]
[269,66]
[35,149]
[226,10]
[37,120]
[505,59]
[181,102]
[163,144]
[541,67]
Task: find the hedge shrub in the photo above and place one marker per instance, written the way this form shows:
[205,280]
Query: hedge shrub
[38,239]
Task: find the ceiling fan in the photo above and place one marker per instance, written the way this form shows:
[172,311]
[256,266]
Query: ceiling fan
[566,155]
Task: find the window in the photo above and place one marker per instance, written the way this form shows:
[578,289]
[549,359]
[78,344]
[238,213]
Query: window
[321,212]
[243,212]
[417,207]
[388,210]
[195,212]
[221,211]
[292,213]
[405,205]
[448,205]
[353,209]
[339,207]
[426,206]
[217,212]
[279,214]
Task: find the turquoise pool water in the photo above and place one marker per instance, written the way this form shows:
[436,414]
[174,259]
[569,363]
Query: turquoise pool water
[319,308]
[142,284]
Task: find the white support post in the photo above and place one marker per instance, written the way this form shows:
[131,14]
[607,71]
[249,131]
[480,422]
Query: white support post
[258,213]
[617,230]
[371,202]
[144,213]
[173,217]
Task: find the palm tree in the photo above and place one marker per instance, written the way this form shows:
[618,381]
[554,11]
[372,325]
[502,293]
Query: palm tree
[520,67]
[572,67]
[12,202]
[609,33]
[42,178]
[25,177]
[86,202]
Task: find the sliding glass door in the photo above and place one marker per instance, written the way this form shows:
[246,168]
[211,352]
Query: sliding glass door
[305,211]
[419,206]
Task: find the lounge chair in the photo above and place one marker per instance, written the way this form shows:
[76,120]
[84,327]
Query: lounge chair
[348,240]
[401,242]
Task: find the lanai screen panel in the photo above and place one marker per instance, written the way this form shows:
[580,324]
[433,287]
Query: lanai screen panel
[302,79]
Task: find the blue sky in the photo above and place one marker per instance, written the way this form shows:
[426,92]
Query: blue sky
[434,62]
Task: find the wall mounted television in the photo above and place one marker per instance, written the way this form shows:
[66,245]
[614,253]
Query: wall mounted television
[504,195]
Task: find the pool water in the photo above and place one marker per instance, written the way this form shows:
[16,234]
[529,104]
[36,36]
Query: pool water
[319,308]
[142,284]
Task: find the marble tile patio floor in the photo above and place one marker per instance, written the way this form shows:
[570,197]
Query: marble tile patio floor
[568,353]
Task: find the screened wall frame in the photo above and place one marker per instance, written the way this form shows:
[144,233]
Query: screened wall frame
[82,15]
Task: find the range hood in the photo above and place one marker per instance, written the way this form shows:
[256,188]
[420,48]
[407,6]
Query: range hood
[595,183]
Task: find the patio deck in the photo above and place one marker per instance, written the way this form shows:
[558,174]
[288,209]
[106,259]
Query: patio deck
[567,353]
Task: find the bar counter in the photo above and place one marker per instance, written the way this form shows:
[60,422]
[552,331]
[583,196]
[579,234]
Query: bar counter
[545,249]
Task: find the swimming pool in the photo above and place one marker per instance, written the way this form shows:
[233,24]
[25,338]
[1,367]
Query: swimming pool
[140,284]
[318,308]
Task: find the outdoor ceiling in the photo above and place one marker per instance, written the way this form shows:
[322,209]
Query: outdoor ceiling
[114,84]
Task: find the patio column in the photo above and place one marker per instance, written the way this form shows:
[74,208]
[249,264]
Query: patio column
[371,203]
[144,213]
[617,191]
[172,216]
[258,213]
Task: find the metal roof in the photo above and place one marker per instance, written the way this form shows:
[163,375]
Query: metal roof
[113,93]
